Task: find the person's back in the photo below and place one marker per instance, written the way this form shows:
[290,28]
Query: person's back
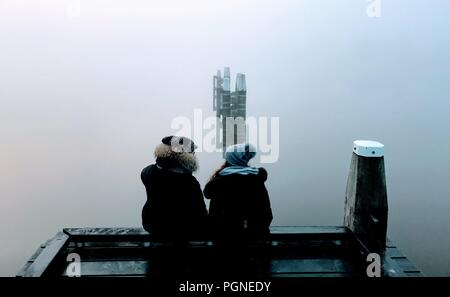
[240,205]
[175,209]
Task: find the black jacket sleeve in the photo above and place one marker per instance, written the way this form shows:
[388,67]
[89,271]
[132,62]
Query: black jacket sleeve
[209,189]
[259,211]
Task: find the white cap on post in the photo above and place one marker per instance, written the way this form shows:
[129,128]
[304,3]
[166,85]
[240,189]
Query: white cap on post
[368,148]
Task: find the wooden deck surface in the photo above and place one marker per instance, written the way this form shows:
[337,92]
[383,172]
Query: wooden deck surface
[290,252]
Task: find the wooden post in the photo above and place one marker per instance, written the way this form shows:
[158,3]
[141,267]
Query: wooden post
[366,208]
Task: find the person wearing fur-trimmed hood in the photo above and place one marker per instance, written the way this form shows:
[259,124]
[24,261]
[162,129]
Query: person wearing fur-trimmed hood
[175,208]
[239,202]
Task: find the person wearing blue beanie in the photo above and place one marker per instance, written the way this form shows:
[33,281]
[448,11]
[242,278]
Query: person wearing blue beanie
[237,158]
[239,202]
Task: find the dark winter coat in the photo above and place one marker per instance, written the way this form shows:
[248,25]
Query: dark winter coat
[240,206]
[175,208]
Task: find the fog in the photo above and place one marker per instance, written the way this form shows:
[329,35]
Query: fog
[89,88]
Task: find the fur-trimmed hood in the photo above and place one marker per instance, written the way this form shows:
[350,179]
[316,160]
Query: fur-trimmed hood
[175,161]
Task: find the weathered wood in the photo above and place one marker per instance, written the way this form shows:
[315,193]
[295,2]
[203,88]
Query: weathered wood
[114,268]
[393,251]
[139,234]
[282,249]
[128,231]
[414,274]
[105,231]
[308,230]
[395,264]
[366,207]
[291,252]
[406,265]
[303,267]
[30,261]
[312,274]
[311,266]
[46,257]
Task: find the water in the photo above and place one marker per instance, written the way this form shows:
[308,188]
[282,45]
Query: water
[85,99]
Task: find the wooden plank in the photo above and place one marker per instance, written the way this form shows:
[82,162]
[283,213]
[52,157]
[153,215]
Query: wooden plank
[406,265]
[414,274]
[401,261]
[105,231]
[390,267]
[138,234]
[107,234]
[274,230]
[101,253]
[188,267]
[284,268]
[308,230]
[24,268]
[36,253]
[114,268]
[301,233]
[301,275]
[279,268]
[31,260]
[394,252]
[290,266]
[282,242]
[114,244]
[45,258]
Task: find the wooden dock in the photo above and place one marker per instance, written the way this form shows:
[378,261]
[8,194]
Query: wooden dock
[291,252]
[359,248]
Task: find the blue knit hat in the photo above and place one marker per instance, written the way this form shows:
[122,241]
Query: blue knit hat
[240,154]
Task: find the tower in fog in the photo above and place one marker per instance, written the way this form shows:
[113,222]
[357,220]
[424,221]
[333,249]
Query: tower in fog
[230,108]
